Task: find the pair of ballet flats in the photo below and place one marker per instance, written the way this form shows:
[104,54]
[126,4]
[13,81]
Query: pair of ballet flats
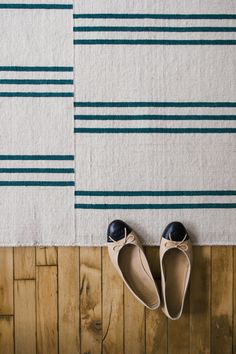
[128,257]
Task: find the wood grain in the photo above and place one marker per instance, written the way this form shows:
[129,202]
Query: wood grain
[24,263]
[74,302]
[25,317]
[134,326]
[6,335]
[113,321]
[234,301]
[68,297]
[46,301]
[222,300]
[6,281]
[91,300]
[46,255]
[200,301]
[178,332]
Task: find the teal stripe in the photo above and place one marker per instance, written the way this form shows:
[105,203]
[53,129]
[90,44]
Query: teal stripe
[38,157]
[35,82]
[155,193]
[37,68]
[37,6]
[154,130]
[36,94]
[154,117]
[158,206]
[154,42]
[36,183]
[36,170]
[151,29]
[161,16]
[157,104]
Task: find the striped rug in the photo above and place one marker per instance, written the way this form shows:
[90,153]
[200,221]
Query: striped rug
[119,109]
[36,110]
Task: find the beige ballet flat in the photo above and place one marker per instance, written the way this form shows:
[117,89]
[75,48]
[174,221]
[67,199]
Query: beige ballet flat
[127,255]
[176,262]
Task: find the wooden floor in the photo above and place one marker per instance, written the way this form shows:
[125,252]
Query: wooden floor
[70,300]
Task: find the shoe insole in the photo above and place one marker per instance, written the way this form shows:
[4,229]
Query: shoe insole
[176,266]
[135,269]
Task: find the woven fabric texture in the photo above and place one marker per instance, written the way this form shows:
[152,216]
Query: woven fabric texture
[117,110]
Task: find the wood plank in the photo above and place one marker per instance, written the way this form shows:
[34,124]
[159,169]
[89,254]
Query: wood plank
[68,297]
[102,298]
[46,310]
[234,300]
[6,281]
[200,301]
[156,321]
[46,255]
[90,300]
[222,304]
[24,263]
[134,326]
[25,317]
[178,332]
[113,322]
[6,335]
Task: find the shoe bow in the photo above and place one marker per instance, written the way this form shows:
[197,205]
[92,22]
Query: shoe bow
[175,244]
[124,241]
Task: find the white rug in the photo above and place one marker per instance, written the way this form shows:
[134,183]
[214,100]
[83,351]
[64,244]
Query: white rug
[153,135]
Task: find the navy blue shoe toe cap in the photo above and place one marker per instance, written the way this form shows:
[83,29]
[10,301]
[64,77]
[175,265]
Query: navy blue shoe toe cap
[176,230]
[116,230]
